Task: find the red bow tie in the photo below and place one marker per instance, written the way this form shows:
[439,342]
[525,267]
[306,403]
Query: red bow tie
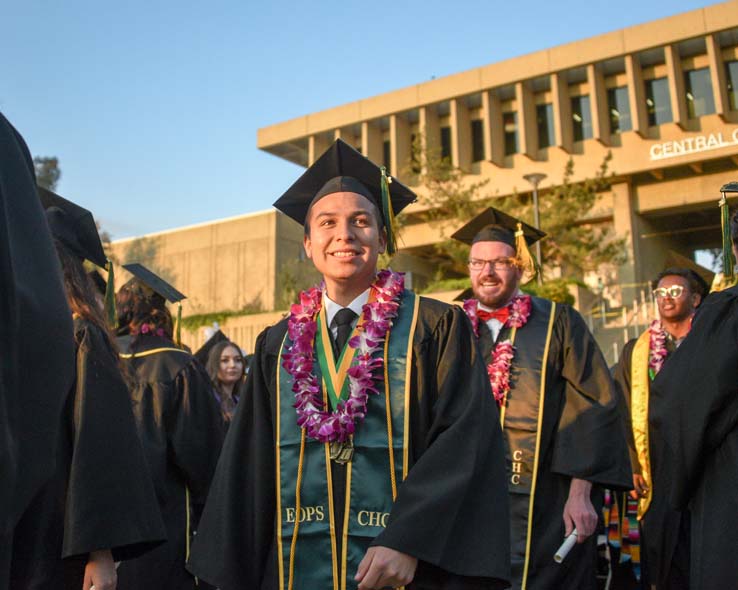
[500,315]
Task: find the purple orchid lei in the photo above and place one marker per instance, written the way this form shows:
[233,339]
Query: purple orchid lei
[299,358]
[498,368]
[657,352]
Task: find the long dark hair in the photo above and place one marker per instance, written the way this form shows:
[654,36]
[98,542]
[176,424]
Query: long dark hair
[141,312]
[212,366]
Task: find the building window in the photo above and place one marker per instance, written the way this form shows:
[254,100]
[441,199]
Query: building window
[619,108]
[731,74]
[415,148]
[698,86]
[477,137]
[446,143]
[544,117]
[386,154]
[510,127]
[658,103]
[582,117]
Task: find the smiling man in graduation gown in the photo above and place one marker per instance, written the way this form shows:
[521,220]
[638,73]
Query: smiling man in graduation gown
[35,331]
[365,450]
[664,532]
[562,424]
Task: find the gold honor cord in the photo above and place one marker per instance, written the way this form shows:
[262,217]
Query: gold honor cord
[544,365]
[408,389]
[135,355]
[390,445]
[639,389]
[331,508]
[293,545]
[503,405]
[280,552]
[336,376]
[346,517]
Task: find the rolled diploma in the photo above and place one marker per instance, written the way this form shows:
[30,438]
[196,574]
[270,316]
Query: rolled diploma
[566,546]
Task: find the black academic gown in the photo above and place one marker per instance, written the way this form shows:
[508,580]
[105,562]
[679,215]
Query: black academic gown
[696,415]
[450,510]
[36,341]
[582,436]
[101,496]
[181,427]
[664,537]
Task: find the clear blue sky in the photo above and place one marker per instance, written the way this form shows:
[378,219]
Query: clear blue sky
[152,107]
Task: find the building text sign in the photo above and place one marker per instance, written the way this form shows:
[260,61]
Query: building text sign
[692,145]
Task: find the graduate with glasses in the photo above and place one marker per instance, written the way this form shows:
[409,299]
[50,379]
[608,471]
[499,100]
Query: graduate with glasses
[561,419]
[366,450]
[663,556]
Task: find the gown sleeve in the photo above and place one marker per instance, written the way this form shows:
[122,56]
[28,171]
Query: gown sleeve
[695,400]
[195,429]
[621,377]
[590,441]
[452,510]
[111,503]
[236,530]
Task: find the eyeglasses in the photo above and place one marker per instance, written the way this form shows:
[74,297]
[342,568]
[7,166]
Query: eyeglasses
[497,263]
[675,292]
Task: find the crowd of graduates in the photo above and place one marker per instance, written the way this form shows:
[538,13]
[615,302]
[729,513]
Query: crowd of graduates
[375,439]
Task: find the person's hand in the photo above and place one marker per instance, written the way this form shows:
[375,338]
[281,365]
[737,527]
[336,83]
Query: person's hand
[640,487]
[579,512]
[100,571]
[383,567]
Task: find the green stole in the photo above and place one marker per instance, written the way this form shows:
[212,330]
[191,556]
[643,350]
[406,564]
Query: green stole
[371,477]
[521,417]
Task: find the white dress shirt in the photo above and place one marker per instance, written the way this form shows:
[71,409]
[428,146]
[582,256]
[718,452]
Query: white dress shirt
[332,308]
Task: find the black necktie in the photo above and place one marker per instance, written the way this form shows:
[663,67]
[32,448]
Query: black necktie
[343,320]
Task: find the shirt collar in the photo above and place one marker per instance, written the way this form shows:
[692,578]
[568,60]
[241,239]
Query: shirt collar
[332,308]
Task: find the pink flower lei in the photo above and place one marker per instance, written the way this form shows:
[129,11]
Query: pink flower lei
[299,358]
[657,351]
[498,369]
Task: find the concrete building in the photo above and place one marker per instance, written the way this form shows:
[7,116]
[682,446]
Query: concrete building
[662,97]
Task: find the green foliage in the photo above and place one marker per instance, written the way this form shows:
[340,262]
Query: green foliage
[146,252]
[447,285]
[193,322]
[295,276]
[555,289]
[48,172]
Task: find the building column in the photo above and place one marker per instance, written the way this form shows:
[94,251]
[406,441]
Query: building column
[676,85]
[636,94]
[494,134]
[460,134]
[623,217]
[563,128]
[430,133]
[717,75]
[399,144]
[371,141]
[598,104]
[317,144]
[527,131]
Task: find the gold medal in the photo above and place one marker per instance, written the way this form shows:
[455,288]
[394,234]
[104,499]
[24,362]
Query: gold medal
[342,452]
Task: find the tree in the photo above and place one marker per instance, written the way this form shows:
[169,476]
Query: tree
[573,245]
[48,172]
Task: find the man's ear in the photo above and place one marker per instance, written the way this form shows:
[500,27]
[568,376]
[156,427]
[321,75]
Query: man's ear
[383,240]
[308,246]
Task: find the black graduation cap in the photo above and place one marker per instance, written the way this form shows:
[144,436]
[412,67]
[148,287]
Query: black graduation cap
[493,225]
[676,260]
[73,226]
[343,169]
[98,281]
[160,287]
[154,282]
[203,352]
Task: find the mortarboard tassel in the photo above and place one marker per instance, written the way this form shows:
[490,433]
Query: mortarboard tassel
[728,260]
[110,313]
[178,327]
[528,262]
[388,213]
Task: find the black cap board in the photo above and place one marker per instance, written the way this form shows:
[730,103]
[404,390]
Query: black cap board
[154,282]
[341,168]
[202,353]
[73,226]
[493,225]
[705,275]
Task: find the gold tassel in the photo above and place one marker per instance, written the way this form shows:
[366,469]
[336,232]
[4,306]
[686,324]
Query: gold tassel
[527,261]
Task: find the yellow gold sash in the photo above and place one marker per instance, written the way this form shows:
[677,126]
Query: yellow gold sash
[639,391]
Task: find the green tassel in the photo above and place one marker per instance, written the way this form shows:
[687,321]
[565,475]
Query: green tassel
[728,260]
[110,313]
[178,329]
[388,213]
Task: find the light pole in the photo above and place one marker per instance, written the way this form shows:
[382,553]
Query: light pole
[535,179]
